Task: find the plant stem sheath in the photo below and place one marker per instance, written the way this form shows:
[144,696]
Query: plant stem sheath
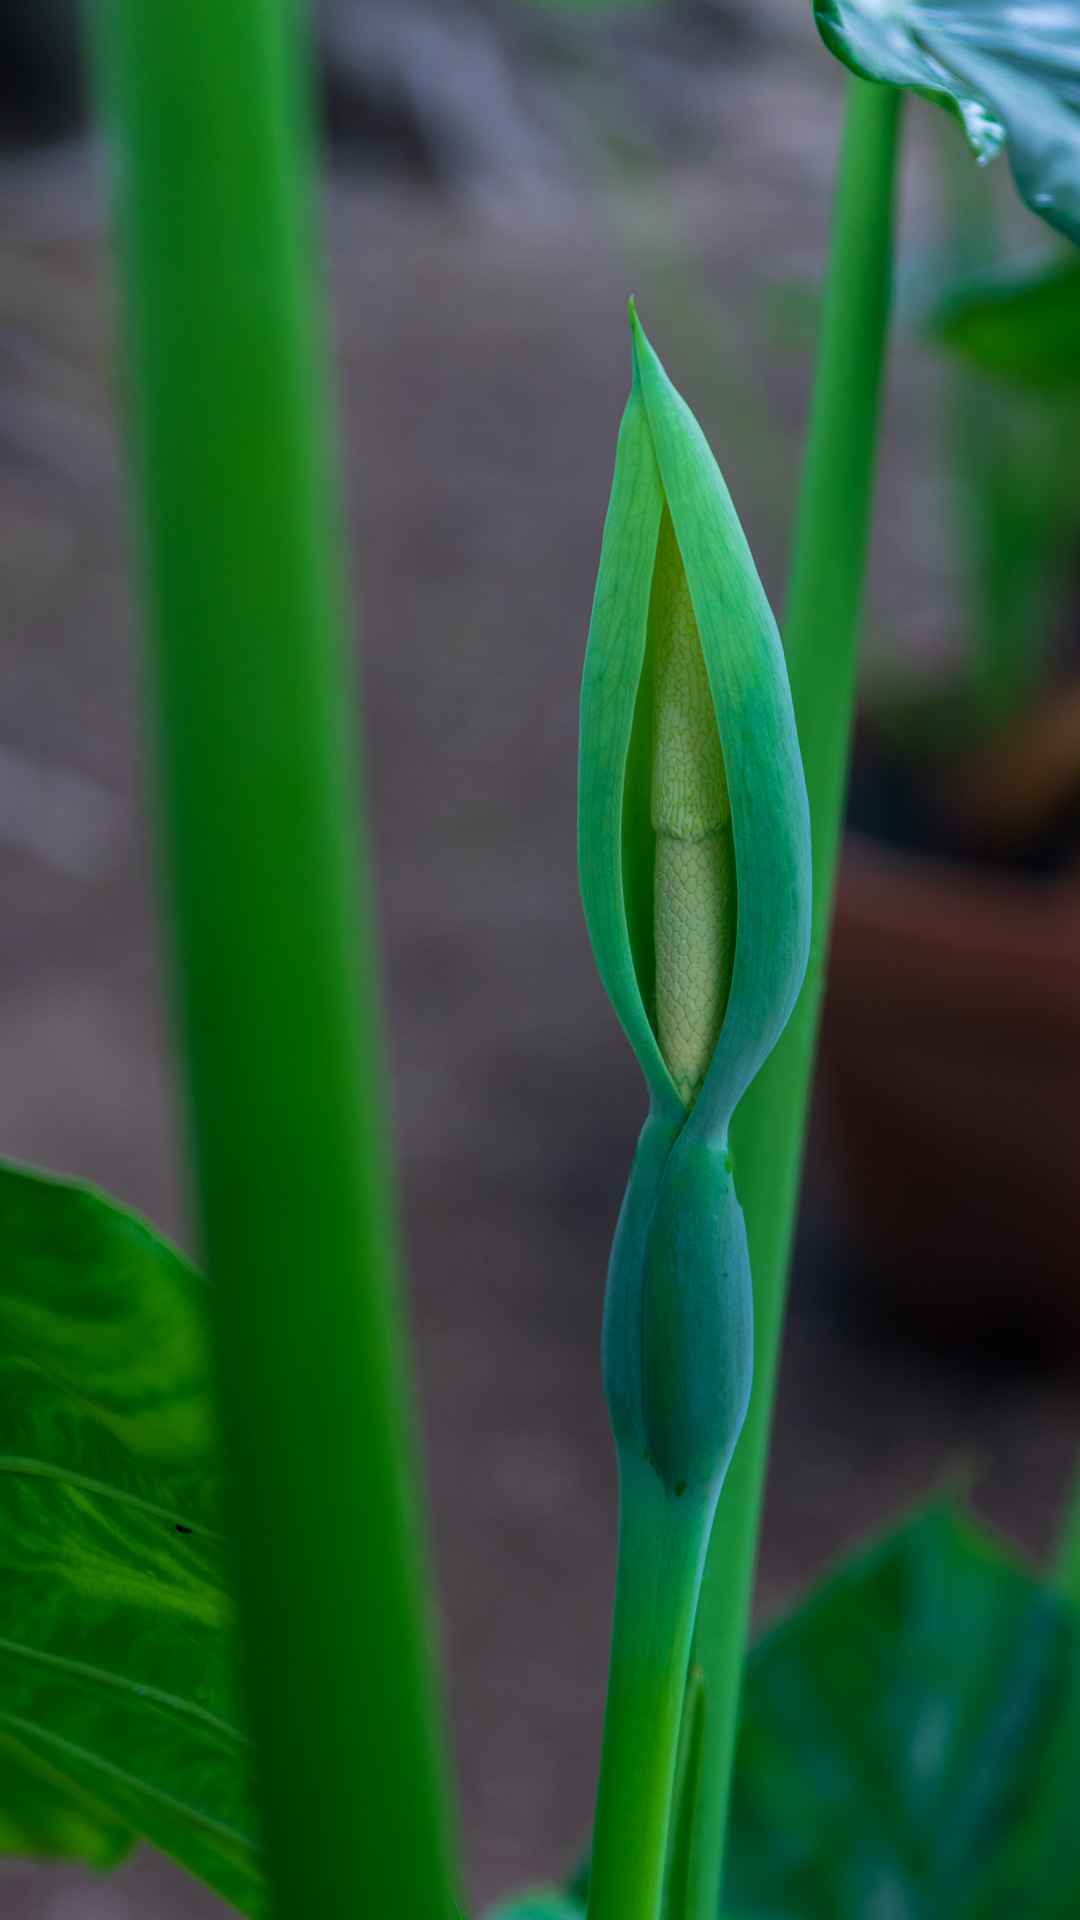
[821,636]
[272,951]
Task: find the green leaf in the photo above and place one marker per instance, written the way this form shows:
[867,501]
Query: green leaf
[910,1743]
[118,1710]
[43,1816]
[1008,69]
[1024,327]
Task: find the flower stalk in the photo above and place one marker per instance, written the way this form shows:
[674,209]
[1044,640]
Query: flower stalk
[821,628]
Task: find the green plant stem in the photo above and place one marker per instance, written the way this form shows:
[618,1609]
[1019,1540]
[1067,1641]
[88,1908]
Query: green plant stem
[268,902]
[662,1544]
[821,641]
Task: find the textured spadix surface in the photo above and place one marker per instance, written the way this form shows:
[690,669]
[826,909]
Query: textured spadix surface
[118,1711]
[694,859]
[694,899]
[1009,69]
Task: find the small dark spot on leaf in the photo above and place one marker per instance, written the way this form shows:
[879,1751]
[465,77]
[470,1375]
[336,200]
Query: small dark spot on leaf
[181,1529]
[680,1489]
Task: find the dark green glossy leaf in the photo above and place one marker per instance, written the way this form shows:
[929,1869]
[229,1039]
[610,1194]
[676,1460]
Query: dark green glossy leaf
[1026,328]
[1009,70]
[910,1743]
[117,1648]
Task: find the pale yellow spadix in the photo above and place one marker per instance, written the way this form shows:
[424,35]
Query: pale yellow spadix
[694,898]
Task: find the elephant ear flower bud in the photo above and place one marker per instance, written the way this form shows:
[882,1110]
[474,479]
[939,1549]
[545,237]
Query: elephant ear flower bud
[694,851]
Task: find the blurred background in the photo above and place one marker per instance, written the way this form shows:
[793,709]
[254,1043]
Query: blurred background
[497,179]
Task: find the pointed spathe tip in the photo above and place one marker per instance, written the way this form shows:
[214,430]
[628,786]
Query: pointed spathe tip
[639,341]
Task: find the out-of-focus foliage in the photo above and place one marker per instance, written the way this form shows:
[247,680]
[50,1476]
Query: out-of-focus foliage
[1026,328]
[118,1714]
[1016,418]
[910,1743]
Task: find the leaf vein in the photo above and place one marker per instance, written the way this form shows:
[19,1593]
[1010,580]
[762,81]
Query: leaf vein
[43,1469]
[194,1816]
[62,1664]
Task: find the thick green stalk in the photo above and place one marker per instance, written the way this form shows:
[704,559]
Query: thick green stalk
[662,1543]
[207,104]
[821,643]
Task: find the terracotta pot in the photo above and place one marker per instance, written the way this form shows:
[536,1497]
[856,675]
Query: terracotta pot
[952,1045]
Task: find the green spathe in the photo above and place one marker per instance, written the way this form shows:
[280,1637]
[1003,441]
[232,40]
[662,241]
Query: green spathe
[677,1337]
[1010,73]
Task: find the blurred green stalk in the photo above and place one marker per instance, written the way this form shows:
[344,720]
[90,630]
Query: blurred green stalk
[268,900]
[1065,1564]
[821,635]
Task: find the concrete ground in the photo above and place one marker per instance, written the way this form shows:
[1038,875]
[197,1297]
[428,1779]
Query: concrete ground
[484,365]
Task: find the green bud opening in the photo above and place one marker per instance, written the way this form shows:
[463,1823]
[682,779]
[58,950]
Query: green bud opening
[690,775]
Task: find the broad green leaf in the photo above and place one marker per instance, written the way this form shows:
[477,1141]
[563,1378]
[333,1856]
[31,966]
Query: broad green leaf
[695,877]
[118,1710]
[1009,70]
[910,1743]
[1025,328]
